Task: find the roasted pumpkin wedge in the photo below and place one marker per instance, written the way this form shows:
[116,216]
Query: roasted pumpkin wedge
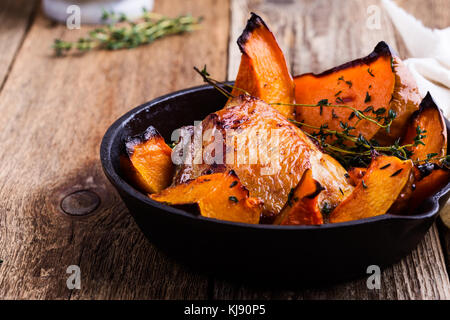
[425,180]
[276,164]
[219,196]
[429,185]
[402,204]
[430,121]
[263,71]
[374,85]
[150,167]
[302,206]
[377,191]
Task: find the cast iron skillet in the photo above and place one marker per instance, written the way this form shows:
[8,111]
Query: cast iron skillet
[261,252]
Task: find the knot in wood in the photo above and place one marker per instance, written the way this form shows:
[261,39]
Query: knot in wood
[80,203]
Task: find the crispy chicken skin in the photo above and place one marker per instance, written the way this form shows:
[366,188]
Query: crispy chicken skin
[281,158]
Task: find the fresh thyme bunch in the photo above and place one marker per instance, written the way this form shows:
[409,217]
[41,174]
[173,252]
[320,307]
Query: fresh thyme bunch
[359,152]
[121,33]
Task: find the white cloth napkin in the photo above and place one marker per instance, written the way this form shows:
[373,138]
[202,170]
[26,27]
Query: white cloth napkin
[429,62]
[429,51]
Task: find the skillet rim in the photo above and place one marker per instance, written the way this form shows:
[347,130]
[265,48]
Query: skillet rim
[122,186]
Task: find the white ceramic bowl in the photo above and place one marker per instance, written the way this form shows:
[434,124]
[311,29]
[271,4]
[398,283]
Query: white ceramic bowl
[91,10]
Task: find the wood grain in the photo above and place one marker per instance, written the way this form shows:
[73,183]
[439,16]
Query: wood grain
[444,234]
[317,35]
[54,114]
[15,17]
[433,13]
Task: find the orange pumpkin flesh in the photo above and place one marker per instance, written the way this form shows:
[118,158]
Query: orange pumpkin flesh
[428,186]
[428,118]
[379,81]
[263,71]
[150,167]
[376,192]
[430,178]
[356,174]
[302,207]
[219,196]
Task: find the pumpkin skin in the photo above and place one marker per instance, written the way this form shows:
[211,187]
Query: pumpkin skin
[219,196]
[429,185]
[302,207]
[296,151]
[380,80]
[263,72]
[426,179]
[429,117]
[149,165]
[419,187]
[377,191]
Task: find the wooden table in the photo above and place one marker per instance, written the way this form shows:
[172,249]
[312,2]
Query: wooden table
[54,112]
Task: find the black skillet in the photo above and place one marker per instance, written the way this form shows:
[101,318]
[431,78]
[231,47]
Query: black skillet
[262,252]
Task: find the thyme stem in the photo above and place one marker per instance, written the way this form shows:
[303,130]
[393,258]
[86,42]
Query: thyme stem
[361,150]
[124,34]
[349,138]
[358,113]
[333,148]
[216,84]
[418,161]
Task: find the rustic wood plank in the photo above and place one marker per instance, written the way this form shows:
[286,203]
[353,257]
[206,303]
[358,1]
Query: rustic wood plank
[15,16]
[444,234]
[282,28]
[324,43]
[319,35]
[54,114]
[433,14]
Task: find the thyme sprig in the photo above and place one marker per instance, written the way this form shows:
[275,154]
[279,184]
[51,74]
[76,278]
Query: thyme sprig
[217,84]
[359,114]
[361,147]
[321,104]
[121,33]
[345,135]
[443,160]
[359,152]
